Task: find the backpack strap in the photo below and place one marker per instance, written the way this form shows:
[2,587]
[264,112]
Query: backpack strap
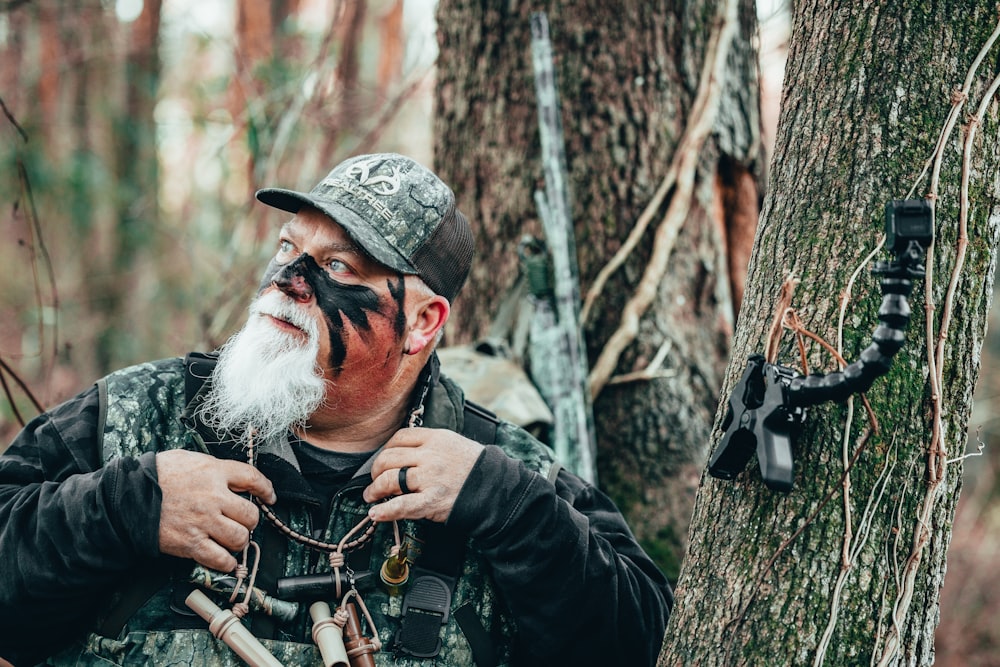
[479,423]
[130,600]
[427,601]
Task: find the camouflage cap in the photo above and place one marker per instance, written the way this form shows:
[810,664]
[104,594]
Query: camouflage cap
[398,211]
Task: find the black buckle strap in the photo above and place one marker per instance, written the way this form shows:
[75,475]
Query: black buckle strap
[427,601]
[425,610]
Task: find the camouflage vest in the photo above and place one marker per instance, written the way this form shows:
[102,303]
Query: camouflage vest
[141,410]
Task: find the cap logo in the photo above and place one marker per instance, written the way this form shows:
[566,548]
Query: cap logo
[380,185]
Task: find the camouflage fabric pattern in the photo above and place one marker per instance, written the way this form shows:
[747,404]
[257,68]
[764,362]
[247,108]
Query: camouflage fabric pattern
[143,408]
[142,413]
[184,647]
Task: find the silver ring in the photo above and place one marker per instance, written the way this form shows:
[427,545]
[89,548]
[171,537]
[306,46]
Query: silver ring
[402,480]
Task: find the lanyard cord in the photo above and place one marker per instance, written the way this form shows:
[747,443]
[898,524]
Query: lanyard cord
[415,419]
[318,545]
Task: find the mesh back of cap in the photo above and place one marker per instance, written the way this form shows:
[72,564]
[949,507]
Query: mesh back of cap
[443,260]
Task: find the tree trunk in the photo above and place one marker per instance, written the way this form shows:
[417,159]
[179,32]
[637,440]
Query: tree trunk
[130,284]
[773,578]
[627,74]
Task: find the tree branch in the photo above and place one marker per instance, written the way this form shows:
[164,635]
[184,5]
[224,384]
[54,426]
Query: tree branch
[704,112]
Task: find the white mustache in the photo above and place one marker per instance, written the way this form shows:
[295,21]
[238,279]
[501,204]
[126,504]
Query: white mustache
[279,306]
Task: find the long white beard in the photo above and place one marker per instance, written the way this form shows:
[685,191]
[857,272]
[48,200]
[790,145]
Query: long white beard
[266,379]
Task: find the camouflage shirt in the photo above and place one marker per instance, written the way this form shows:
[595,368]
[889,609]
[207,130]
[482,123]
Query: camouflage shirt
[550,571]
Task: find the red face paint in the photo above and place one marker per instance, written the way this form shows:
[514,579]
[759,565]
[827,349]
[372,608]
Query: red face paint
[340,303]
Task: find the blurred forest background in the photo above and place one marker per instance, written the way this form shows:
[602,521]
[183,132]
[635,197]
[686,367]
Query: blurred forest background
[135,133]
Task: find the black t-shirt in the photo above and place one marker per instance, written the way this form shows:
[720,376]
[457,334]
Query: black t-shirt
[326,470]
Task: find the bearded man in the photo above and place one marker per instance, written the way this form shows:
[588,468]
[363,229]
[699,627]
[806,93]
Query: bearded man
[317,491]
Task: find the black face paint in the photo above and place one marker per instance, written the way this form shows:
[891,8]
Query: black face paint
[336,300]
[398,292]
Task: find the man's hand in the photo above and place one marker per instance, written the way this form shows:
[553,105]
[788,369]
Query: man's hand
[437,464]
[201,516]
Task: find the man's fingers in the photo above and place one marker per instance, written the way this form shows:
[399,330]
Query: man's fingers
[437,464]
[242,511]
[245,477]
[413,436]
[214,547]
[202,514]
[230,534]
[433,502]
[397,508]
[387,484]
[185,469]
[394,459]
[210,554]
[402,449]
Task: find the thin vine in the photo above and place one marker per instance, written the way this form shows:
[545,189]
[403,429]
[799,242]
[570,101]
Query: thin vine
[937,451]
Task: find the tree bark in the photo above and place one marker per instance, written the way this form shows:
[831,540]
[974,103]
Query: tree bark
[848,572]
[627,74]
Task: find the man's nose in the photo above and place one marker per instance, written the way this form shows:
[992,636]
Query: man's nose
[291,281]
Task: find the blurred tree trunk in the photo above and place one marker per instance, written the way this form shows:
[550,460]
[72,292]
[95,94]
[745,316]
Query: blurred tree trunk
[138,278]
[772,578]
[137,193]
[301,102]
[628,73]
[392,46]
[281,84]
[348,64]
[258,47]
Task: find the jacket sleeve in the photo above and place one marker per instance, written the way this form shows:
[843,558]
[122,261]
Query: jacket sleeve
[579,586]
[69,526]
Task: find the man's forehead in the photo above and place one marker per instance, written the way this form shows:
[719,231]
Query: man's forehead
[328,230]
[327,236]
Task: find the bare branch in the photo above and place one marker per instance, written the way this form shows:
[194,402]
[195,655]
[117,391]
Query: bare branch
[650,372]
[703,112]
[13,121]
[5,368]
[632,241]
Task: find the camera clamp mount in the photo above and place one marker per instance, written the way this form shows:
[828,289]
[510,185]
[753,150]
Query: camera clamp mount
[768,405]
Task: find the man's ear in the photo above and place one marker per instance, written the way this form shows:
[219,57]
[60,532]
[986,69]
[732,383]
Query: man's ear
[428,320]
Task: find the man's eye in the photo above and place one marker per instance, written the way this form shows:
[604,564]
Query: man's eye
[337,266]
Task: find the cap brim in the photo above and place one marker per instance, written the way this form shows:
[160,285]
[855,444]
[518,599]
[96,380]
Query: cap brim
[360,231]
